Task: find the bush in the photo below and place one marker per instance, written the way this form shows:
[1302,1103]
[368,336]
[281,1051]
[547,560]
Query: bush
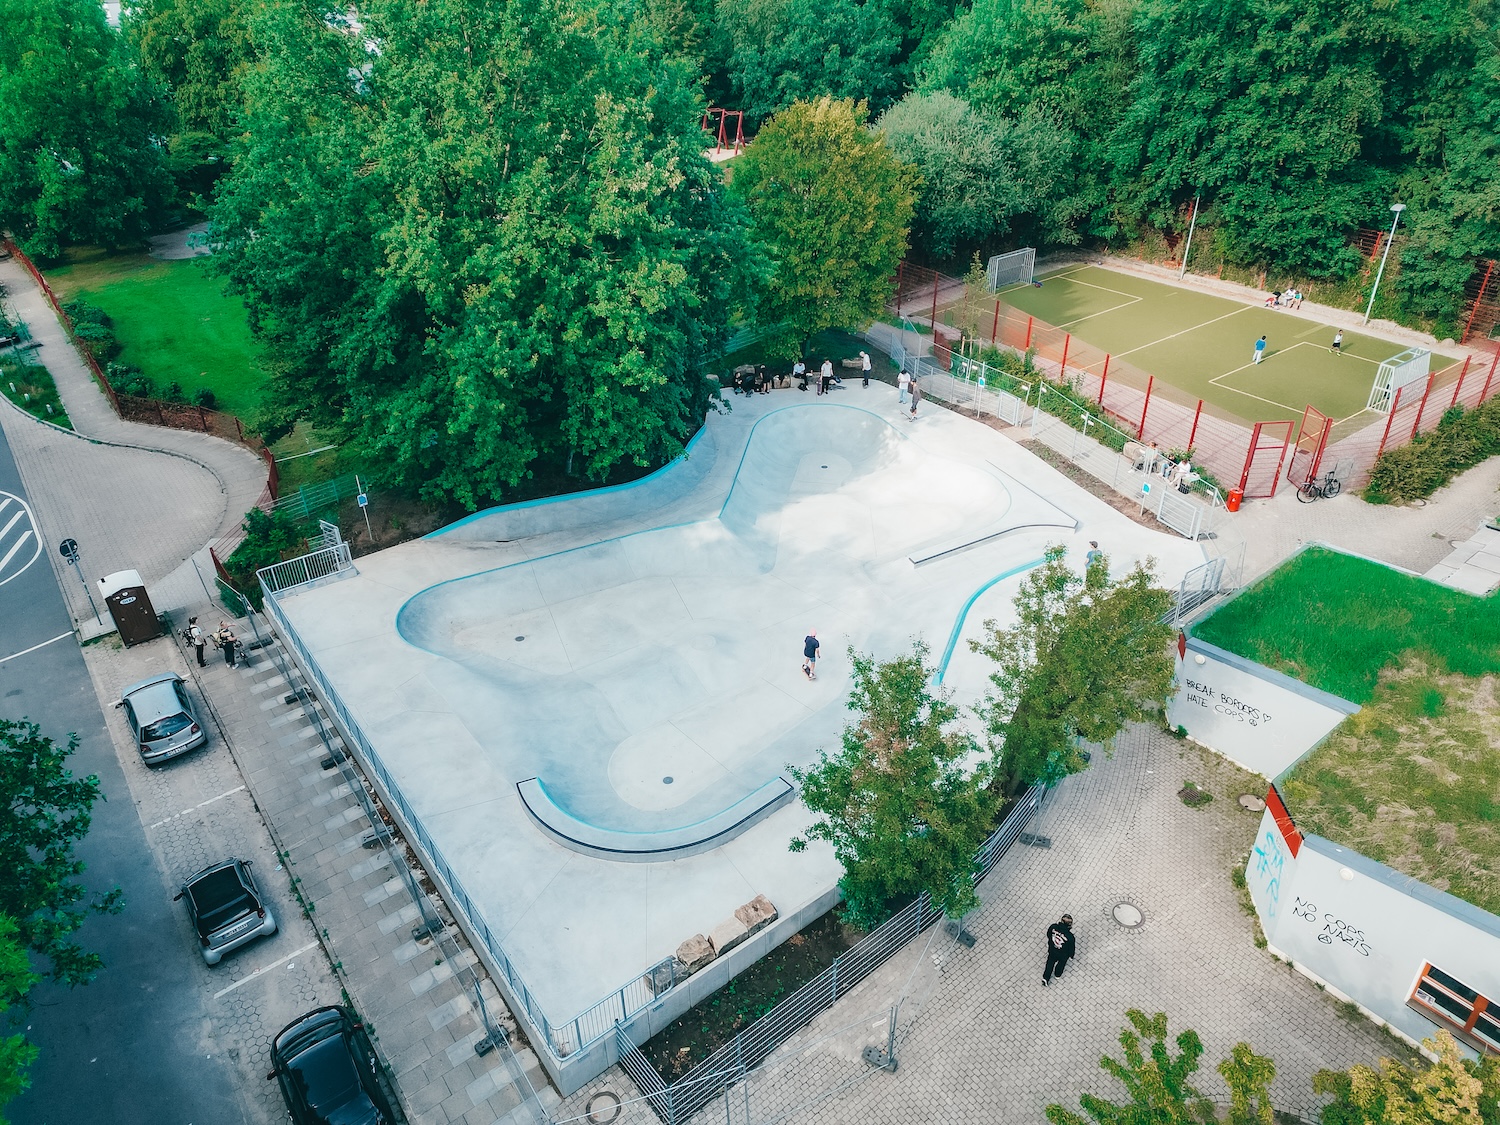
[128,380]
[1461,440]
[94,329]
[269,537]
[205,398]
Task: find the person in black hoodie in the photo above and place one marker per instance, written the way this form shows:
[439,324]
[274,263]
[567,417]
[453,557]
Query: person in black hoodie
[1060,948]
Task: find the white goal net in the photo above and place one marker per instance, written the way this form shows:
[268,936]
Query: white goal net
[1397,372]
[1011,269]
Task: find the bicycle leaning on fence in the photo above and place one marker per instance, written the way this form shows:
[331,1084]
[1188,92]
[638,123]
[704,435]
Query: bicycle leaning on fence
[1325,489]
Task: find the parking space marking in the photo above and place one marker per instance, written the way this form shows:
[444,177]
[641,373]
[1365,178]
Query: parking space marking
[33,648]
[264,969]
[195,808]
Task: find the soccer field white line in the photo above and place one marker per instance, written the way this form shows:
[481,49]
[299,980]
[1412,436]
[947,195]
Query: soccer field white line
[1068,276]
[1216,381]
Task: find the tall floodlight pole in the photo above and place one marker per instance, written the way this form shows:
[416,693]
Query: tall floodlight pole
[1188,249]
[1396,209]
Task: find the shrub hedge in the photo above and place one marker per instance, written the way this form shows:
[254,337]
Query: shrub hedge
[1461,440]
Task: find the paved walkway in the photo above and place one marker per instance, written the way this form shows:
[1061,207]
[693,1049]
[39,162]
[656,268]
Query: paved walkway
[982,1041]
[136,497]
[416,994]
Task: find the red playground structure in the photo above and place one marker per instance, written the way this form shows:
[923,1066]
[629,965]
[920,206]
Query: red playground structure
[724,137]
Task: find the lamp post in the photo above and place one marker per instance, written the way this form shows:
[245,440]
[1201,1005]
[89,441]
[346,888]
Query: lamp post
[1188,249]
[1396,209]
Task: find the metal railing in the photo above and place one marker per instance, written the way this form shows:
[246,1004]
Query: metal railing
[678,1102]
[312,500]
[305,568]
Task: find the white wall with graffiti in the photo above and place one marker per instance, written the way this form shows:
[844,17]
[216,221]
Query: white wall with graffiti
[1411,956]
[1257,717]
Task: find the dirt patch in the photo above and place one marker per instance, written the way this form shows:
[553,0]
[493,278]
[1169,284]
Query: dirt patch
[1413,781]
[700,1031]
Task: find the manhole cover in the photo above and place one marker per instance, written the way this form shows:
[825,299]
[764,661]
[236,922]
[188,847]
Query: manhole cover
[603,1107]
[1252,803]
[520,638]
[667,780]
[1128,915]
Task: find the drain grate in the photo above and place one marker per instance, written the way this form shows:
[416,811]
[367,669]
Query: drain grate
[1128,914]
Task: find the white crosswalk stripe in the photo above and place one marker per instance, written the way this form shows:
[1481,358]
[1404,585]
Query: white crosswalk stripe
[20,545]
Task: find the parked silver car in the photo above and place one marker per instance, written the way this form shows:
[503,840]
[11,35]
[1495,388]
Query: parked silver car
[227,908]
[162,717]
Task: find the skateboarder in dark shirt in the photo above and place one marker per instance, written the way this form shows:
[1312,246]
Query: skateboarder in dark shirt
[810,654]
[1060,948]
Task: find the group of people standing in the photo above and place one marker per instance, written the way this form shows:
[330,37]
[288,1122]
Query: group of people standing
[222,638]
[750,381]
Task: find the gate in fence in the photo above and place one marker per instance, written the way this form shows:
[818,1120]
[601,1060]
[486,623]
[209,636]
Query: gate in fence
[1198,587]
[1312,440]
[1268,442]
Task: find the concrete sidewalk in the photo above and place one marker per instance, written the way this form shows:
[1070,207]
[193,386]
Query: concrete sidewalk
[416,993]
[136,497]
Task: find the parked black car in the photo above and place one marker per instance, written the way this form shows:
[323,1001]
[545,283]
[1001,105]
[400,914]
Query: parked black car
[227,908]
[328,1071]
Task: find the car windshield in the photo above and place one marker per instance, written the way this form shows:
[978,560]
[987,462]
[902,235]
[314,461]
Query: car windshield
[165,728]
[326,1075]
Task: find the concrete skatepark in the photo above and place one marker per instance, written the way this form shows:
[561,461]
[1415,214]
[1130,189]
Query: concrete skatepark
[590,702]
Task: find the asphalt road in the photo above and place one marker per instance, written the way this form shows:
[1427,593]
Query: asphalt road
[127,1047]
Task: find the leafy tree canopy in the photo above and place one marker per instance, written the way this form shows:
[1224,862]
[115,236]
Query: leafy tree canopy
[1452,1089]
[16,979]
[197,50]
[832,205]
[46,811]
[1086,655]
[902,802]
[1157,1081]
[79,157]
[495,238]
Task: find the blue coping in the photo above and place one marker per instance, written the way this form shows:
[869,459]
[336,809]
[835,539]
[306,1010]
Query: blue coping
[656,846]
[963,614]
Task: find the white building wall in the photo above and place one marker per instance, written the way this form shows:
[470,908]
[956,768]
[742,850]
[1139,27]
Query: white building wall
[1363,929]
[1261,719]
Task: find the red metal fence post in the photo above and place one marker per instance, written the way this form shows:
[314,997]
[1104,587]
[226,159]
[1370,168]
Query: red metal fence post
[1250,456]
[1478,297]
[1422,406]
[1140,432]
[995,328]
[1196,415]
[1062,372]
[1389,418]
[1103,378]
[1491,375]
[1029,322]
[1460,385]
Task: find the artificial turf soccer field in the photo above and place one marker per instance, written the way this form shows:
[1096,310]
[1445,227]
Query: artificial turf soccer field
[1203,345]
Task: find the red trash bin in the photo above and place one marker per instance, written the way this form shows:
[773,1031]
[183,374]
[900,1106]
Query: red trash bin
[1232,501]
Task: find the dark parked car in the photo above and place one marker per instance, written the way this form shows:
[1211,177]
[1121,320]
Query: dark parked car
[162,717]
[227,908]
[328,1071]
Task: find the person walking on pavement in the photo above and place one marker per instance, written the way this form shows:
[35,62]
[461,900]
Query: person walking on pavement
[1061,947]
[1338,343]
[197,639]
[227,641]
[1260,349]
[916,397]
[864,364]
[810,648]
[903,381]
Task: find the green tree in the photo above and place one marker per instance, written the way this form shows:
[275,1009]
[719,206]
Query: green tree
[16,979]
[495,239]
[46,811]
[983,176]
[1158,1082]
[901,802]
[1449,1091]
[1249,1077]
[79,159]
[783,51]
[832,206]
[1086,655]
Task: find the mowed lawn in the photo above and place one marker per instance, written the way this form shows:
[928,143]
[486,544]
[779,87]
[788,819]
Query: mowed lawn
[174,321]
[1204,344]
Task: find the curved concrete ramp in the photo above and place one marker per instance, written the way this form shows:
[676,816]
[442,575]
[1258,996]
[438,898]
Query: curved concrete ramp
[662,844]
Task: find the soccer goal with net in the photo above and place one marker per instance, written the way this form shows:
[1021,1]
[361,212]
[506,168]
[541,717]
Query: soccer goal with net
[1011,269]
[1398,371]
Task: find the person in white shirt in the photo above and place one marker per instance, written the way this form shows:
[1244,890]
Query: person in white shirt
[903,381]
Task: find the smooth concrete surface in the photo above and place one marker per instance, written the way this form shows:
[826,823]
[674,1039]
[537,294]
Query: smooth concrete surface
[656,632]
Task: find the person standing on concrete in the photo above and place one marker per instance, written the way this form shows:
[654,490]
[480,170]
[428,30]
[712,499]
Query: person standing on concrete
[1061,947]
[903,381]
[916,397]
[197,639]
[1260,349]
[864,364]
[810,648]
[1338,343]
[227,641]
[1094,554]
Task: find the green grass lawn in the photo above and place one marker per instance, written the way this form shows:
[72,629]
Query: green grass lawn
[174,321]
[1203,344]
[1337,622]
